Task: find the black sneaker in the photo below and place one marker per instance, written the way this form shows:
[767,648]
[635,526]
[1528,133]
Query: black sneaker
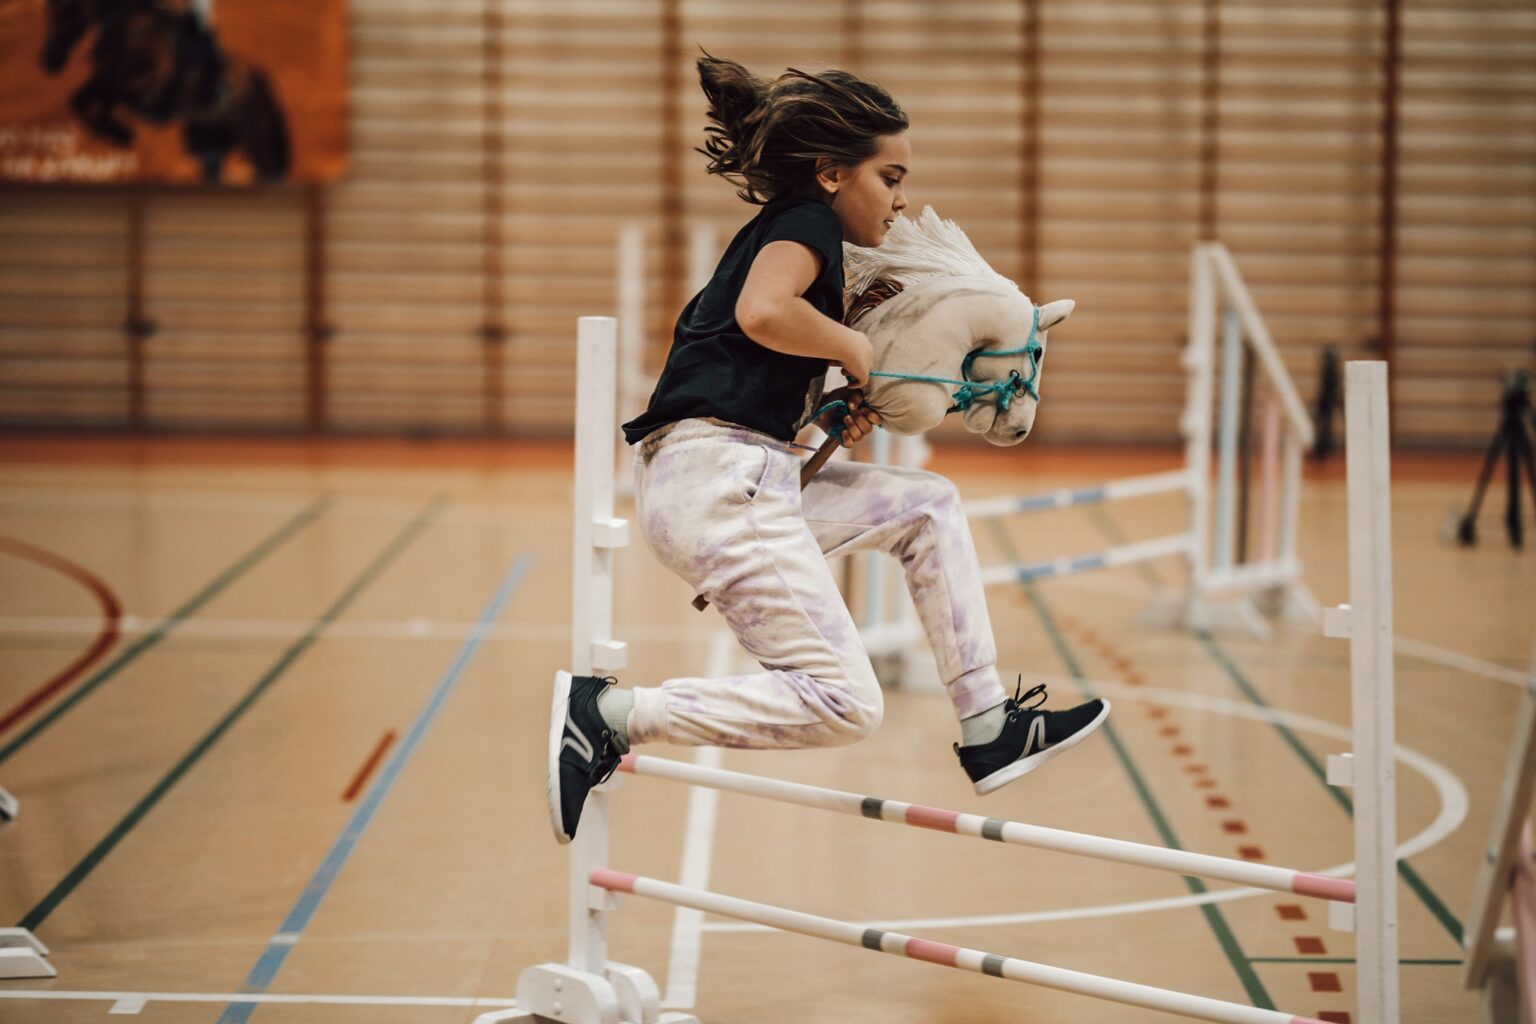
[583,751]
[1029,739]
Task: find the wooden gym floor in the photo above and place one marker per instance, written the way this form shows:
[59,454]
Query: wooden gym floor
[306,760]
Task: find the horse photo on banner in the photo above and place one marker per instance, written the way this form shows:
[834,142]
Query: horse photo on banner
[172,91]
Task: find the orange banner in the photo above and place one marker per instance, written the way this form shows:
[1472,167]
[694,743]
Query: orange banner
[215,91]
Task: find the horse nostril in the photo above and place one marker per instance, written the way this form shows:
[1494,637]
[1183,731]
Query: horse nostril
[1021,433]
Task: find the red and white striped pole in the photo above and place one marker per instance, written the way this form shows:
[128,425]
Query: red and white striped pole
[897,944]
[1240,872]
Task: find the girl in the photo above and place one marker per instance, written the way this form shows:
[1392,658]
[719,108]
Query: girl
[717,478]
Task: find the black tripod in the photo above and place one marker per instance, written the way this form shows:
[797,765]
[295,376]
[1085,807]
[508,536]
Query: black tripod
[1511,440]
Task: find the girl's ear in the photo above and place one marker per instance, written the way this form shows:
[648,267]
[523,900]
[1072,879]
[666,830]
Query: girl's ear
[1053,313]
[829,176]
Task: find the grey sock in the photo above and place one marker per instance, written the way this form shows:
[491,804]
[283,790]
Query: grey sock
[615,705]
[982,728]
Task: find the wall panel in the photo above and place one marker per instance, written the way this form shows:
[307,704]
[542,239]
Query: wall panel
[499,148]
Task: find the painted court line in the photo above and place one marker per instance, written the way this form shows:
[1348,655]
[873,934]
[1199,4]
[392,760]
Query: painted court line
[271,961]
[364,629]
[1448,788]
[1258,995]
[107,671]
[144,998]
[698,848]
[106,627]
[361,778]
[38,914]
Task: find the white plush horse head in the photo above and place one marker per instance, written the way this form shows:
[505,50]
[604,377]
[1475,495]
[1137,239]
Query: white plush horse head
[950,306]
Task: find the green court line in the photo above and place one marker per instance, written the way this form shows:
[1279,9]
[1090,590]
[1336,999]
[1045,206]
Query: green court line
[1107,525]
[1410,875]
[144,643]
[1225,937]
[78,874]
[1346,960]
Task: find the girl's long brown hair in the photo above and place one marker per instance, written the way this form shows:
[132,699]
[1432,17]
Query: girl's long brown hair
[769,138]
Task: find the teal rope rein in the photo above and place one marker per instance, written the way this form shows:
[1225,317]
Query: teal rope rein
[969,391]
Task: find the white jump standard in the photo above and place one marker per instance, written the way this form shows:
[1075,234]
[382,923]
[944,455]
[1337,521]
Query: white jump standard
[1225,869]
[588,988]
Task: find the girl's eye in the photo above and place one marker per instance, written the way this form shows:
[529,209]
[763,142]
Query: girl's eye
[892,182]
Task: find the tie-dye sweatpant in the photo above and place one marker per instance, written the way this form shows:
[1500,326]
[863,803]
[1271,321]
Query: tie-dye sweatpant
[721,506]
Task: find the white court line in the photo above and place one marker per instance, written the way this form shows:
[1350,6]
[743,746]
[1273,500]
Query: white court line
[698,851]
[345,504]
[285,629]
[245,997]
[1452,794]
[1101,583]
[1461,662]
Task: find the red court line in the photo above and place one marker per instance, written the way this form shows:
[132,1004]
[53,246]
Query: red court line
[111,612]
[368,767]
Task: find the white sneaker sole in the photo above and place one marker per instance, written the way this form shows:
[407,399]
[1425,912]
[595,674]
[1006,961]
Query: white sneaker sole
[559,703]
[1024,765]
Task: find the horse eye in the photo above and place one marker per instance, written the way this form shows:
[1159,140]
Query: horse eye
[1037,355]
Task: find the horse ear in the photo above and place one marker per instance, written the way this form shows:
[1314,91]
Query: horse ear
[1053,313]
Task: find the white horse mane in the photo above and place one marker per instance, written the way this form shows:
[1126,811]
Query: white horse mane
[915,251]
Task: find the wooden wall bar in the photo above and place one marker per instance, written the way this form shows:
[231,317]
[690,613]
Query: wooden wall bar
[498,148]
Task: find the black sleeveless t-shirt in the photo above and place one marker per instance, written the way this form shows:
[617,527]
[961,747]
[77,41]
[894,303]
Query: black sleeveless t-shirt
[714,369]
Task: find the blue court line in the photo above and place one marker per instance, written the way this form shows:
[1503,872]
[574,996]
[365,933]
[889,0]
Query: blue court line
[271,961]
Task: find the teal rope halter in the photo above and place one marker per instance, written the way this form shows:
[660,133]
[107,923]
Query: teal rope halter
[968,391]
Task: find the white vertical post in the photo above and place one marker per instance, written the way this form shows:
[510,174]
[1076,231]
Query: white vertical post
[702,255]
[874,561]
[1269,474]
[593,649]
[1290,495]
[1199,368]
[588,988]
[1371,694]
[631,326]
[1231,389]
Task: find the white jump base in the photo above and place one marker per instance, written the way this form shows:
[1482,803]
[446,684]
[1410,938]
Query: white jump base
[22,956]
[588,988]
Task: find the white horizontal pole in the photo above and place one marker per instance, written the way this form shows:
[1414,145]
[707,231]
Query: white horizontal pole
[1261,876]
[1125,554]
[1067,497]
[897,944]
[1253,575]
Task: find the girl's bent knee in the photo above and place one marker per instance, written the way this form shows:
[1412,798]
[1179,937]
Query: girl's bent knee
[863,714]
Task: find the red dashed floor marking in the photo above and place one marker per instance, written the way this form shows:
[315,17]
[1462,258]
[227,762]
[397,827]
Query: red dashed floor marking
[1306,945]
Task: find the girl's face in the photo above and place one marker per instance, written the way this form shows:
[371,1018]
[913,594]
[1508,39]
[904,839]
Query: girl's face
[867,196]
